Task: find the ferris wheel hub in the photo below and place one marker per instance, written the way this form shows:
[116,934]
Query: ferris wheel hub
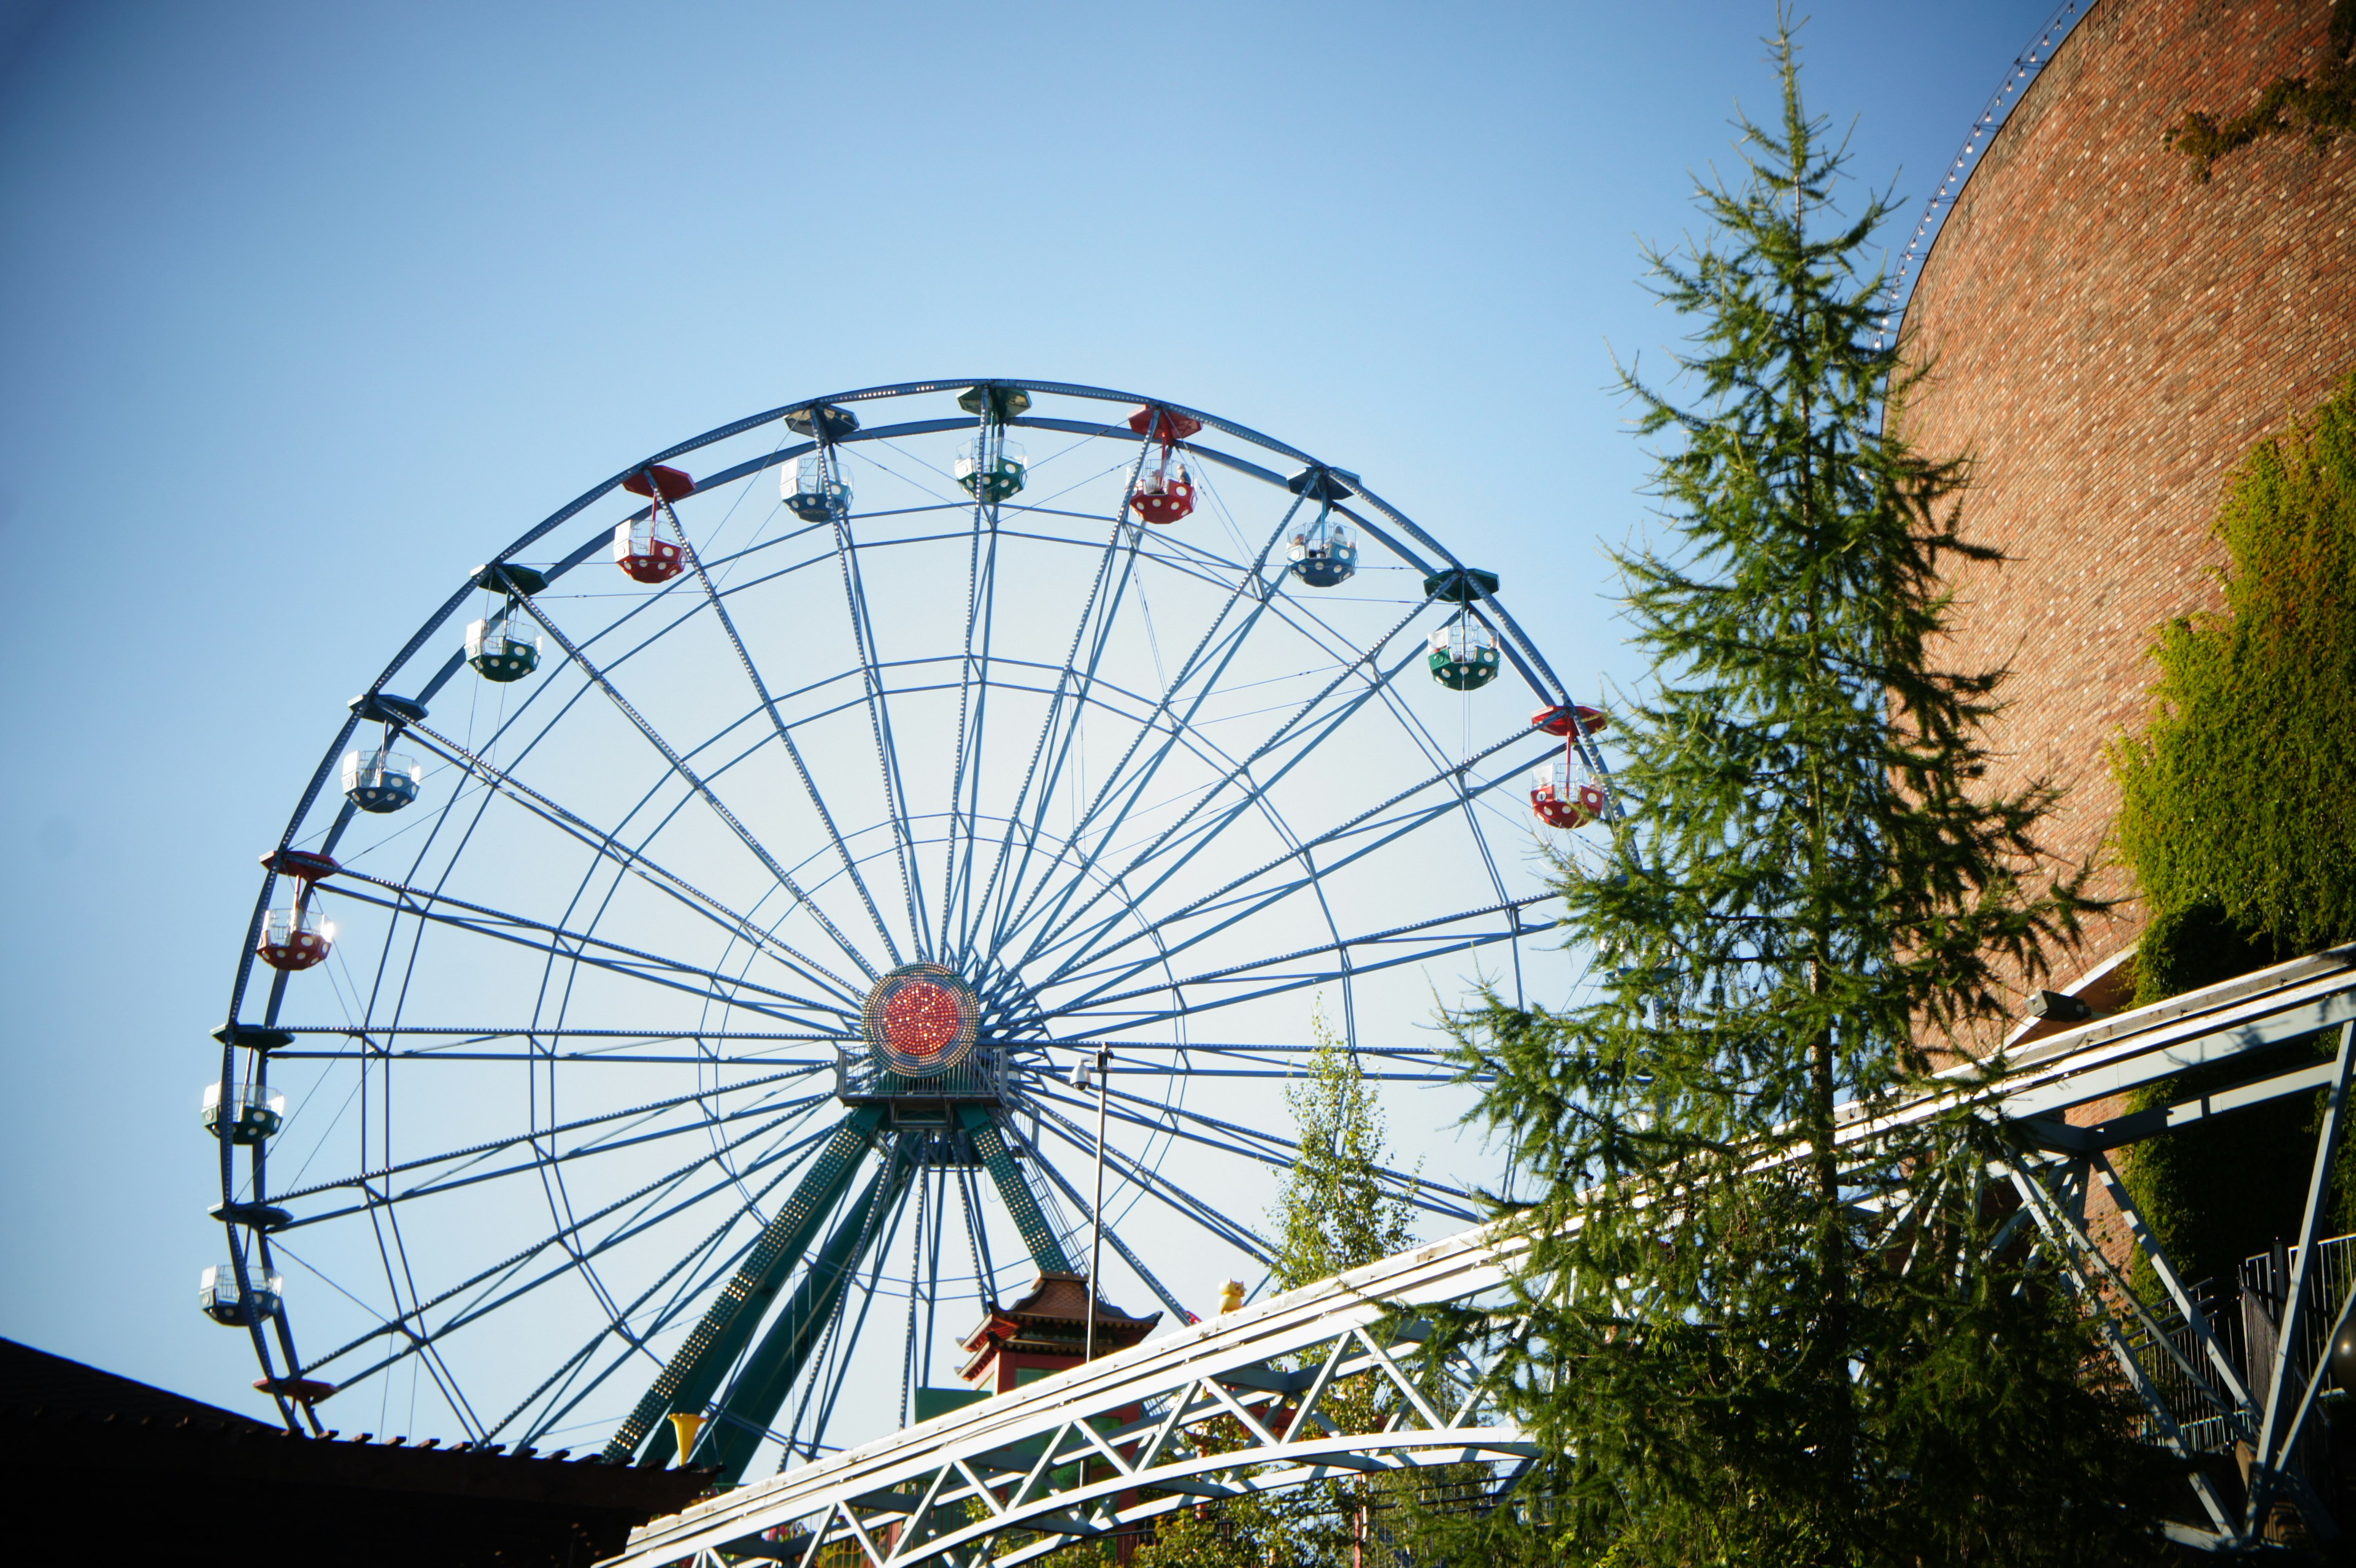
[920,1021]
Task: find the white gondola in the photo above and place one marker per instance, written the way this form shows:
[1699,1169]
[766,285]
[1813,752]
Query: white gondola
[243,1112]
[810,493]
[379,780]
[1324,554]
[218,1294]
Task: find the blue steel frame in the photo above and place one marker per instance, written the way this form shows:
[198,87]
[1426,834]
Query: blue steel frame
[1022,909]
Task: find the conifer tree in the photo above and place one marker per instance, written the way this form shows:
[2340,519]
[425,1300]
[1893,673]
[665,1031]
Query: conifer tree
[1731,1346]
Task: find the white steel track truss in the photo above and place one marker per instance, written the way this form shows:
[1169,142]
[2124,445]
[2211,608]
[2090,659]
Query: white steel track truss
[1241,1404]
[1105,1447]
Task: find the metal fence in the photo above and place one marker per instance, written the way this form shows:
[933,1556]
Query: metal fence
[2245,1332]
[981,1078]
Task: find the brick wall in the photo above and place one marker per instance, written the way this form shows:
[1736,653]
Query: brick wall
[2108,338]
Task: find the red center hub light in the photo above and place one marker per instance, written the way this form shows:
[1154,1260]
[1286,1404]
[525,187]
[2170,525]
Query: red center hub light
[920,1020]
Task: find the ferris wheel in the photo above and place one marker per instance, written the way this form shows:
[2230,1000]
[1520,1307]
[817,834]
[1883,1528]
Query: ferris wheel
[670,996]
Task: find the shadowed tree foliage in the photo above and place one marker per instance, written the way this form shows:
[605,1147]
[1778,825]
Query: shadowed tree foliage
[1731,1347]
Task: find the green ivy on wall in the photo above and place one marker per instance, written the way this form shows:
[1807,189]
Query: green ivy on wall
[2319,110]
[2238,820]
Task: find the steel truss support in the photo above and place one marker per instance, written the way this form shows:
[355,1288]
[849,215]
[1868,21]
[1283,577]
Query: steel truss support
[1120,1441]
[766,1378]
[2177,1364]
[989,1141]
[695,1371]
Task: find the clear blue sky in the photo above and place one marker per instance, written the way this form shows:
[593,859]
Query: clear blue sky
[309,308]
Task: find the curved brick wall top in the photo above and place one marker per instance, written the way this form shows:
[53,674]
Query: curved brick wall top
[2108,338]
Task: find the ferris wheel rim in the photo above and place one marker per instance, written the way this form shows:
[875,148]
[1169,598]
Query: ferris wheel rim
[784,451]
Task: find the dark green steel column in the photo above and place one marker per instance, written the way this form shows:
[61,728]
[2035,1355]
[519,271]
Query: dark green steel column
[768,1374]
[1013,1191]
[698,1366]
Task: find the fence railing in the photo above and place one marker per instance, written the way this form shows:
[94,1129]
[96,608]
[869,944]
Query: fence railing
[981,1078]
[2244,1327]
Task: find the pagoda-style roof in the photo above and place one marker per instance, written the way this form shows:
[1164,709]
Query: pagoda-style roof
[1053,1321]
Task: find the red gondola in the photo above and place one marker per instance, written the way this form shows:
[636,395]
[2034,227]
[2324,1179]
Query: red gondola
[1564,798]
[643,554]
[1164,497]
[295,938]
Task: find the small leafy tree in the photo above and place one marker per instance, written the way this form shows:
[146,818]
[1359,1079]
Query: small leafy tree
[1333,1213]
[1728,1344]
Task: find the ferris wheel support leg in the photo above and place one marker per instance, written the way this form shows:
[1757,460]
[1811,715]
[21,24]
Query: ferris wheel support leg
[1013,1189]
[695,1371]
[761,1389]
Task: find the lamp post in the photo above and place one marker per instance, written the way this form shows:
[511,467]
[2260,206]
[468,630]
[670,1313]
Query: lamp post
[1103,1065]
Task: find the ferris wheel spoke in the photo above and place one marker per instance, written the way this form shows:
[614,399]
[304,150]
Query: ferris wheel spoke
[1262,899]
[695,782]
[1064,737]
[1430,948]
[368,1178]
[1136,1264]
[1111,552]
[1105,939]
[1161,720]
[879,720]
[785,737]
[635,861]
[1253,792]
[1163,1191]
[693,1290]
[1237,583]
[626,1049]
[1432,1065]
[980,619]
[1257,1142]
[1251,1143]
[402,1277]
[785,1157]
[465,1177]
[410,1322]
[723,991]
